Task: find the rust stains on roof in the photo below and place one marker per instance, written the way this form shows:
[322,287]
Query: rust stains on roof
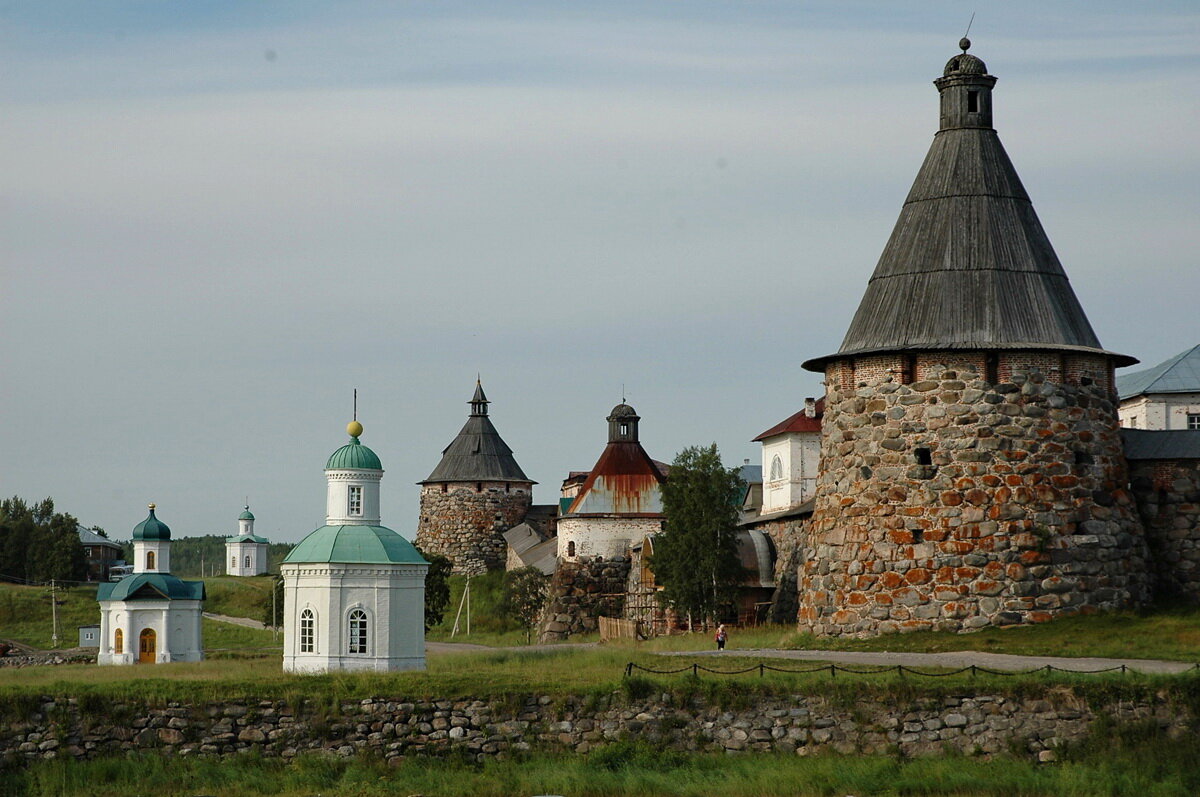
[624,481]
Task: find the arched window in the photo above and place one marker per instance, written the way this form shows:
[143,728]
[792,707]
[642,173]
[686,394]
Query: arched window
[233,562]
[358,631]
[776,468]
[571,549]
[149,560]
[247,561]
[307,621]
[118,641]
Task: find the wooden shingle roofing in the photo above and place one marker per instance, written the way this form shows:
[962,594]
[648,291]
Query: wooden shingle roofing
[968,265]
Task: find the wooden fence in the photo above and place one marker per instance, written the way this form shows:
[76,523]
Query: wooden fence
[615,628]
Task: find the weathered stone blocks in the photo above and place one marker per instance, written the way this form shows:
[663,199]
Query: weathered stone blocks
[466,522]
[970,503]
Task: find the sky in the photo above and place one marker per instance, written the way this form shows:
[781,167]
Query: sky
[218,219]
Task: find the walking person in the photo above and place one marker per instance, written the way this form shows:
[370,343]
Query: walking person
[722,635]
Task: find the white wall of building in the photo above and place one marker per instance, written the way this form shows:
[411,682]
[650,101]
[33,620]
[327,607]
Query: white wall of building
[176,626]
[1159,411]
[338,510]
[245,558]
[795,476]
[393,597]
[607,536]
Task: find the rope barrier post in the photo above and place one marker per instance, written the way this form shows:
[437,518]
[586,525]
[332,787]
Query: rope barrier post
[900,670]
[629,669]
[972,670]
[833,671]
[1047,669]
[695,670]
[761,669]
[1124,669]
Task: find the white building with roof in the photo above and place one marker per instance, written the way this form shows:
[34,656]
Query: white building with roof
[151,616]
[791,453]
[353,590]
[246,552]
[1165,397]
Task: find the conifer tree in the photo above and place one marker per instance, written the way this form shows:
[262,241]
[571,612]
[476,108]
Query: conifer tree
[695,560]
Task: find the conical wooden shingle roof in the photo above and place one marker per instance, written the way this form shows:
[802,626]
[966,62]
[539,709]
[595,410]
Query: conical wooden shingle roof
[968,265]
[478,453]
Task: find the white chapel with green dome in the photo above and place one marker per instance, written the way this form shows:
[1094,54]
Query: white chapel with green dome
[246,552]
[353,590]
[151,616]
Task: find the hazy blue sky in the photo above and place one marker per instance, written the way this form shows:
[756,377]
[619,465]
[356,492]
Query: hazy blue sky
[217,218]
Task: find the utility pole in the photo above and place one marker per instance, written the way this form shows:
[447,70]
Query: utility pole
[274,614]
[53,615]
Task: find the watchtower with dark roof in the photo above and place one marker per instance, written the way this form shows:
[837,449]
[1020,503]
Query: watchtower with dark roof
[476,493]
[971,468]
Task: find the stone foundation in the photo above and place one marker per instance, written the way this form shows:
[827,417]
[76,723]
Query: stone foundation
[1168,498]
[466,522]
[953,503]
[581,592]
[396,728]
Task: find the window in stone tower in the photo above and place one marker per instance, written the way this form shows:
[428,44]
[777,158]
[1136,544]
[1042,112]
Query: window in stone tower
[355,500]
[924,456]
[972,102]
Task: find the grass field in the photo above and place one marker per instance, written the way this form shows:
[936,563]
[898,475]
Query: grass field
[1145,764]
[238,596]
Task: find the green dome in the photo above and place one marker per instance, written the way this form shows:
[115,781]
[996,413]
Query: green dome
[151,528]
[355,545]
[246,515]
[353,456]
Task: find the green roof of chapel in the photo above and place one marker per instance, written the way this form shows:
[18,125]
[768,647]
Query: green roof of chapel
[355,545]
[353,456]
[150,586]
[151,528]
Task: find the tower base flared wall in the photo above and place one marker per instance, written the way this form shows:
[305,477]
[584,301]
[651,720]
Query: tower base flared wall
[955,503]
[466,522]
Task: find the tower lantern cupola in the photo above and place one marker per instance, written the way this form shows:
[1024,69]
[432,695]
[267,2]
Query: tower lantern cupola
[151,545]
[966,90]
[623,424]
[353,473]
[479,402]
[246,522]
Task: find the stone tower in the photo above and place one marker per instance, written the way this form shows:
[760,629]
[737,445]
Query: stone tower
[475,494]
[971,470]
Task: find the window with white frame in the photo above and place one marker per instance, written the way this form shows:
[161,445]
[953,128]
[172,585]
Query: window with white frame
[307,621]
[247,561]
[355,505]
[233,561]
[1193,420]
[358,631]
[776,468]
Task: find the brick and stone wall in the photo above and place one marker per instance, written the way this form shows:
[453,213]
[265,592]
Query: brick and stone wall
[580,592]
[1168,498]
[465,522]
[394,728]
[954,503]
[790,537]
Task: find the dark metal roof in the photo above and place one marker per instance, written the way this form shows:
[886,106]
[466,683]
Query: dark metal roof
[968,265]
[1180,374]
[478,454]
[799,422]
[1165,444]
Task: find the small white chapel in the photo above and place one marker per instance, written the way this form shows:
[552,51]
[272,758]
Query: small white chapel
[151,616]
[246,552]
[353,590]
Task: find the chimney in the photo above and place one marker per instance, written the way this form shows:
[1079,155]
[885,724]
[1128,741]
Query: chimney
[810,407]
[745,462]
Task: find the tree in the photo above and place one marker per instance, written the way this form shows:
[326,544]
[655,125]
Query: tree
[39,544]
[437,588]
[525,592]
[696,557]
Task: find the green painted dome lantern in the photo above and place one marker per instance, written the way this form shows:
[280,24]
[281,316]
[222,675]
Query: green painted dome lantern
[151,528]
[354,455]
[246,515]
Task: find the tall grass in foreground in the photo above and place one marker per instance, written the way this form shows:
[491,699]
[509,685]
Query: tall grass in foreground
[1143,765]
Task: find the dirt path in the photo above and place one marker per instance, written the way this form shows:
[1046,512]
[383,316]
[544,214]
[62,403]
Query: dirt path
[242,621]
[963,658]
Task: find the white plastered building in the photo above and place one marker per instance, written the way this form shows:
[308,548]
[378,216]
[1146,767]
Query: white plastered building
[353,590]
[1163,398]
[791,453]
[246,552]
[151,616]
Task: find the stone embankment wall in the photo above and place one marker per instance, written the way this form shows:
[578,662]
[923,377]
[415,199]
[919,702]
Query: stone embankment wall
[394,729]
[1168,498]
[955,503]
[466,522]
[48,658]
[581,592]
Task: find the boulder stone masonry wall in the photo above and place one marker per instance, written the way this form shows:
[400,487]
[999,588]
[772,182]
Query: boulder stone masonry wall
[1168,498]
[953,503]
[398,728]
[581,592]
[466,522]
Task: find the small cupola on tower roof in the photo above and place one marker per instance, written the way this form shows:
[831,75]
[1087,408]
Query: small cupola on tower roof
[151,545]
[353,473]
[968,265]
[623,424]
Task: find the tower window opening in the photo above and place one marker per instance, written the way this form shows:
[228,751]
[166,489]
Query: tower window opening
[358,631]
[355,501]
[972,102]
[924,456]
[1084,458]
[445,487]
[247,561]
[776,468]
[149,560]
[478,487]
[918,536]
[624,429]
[307,621]
[571,549]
